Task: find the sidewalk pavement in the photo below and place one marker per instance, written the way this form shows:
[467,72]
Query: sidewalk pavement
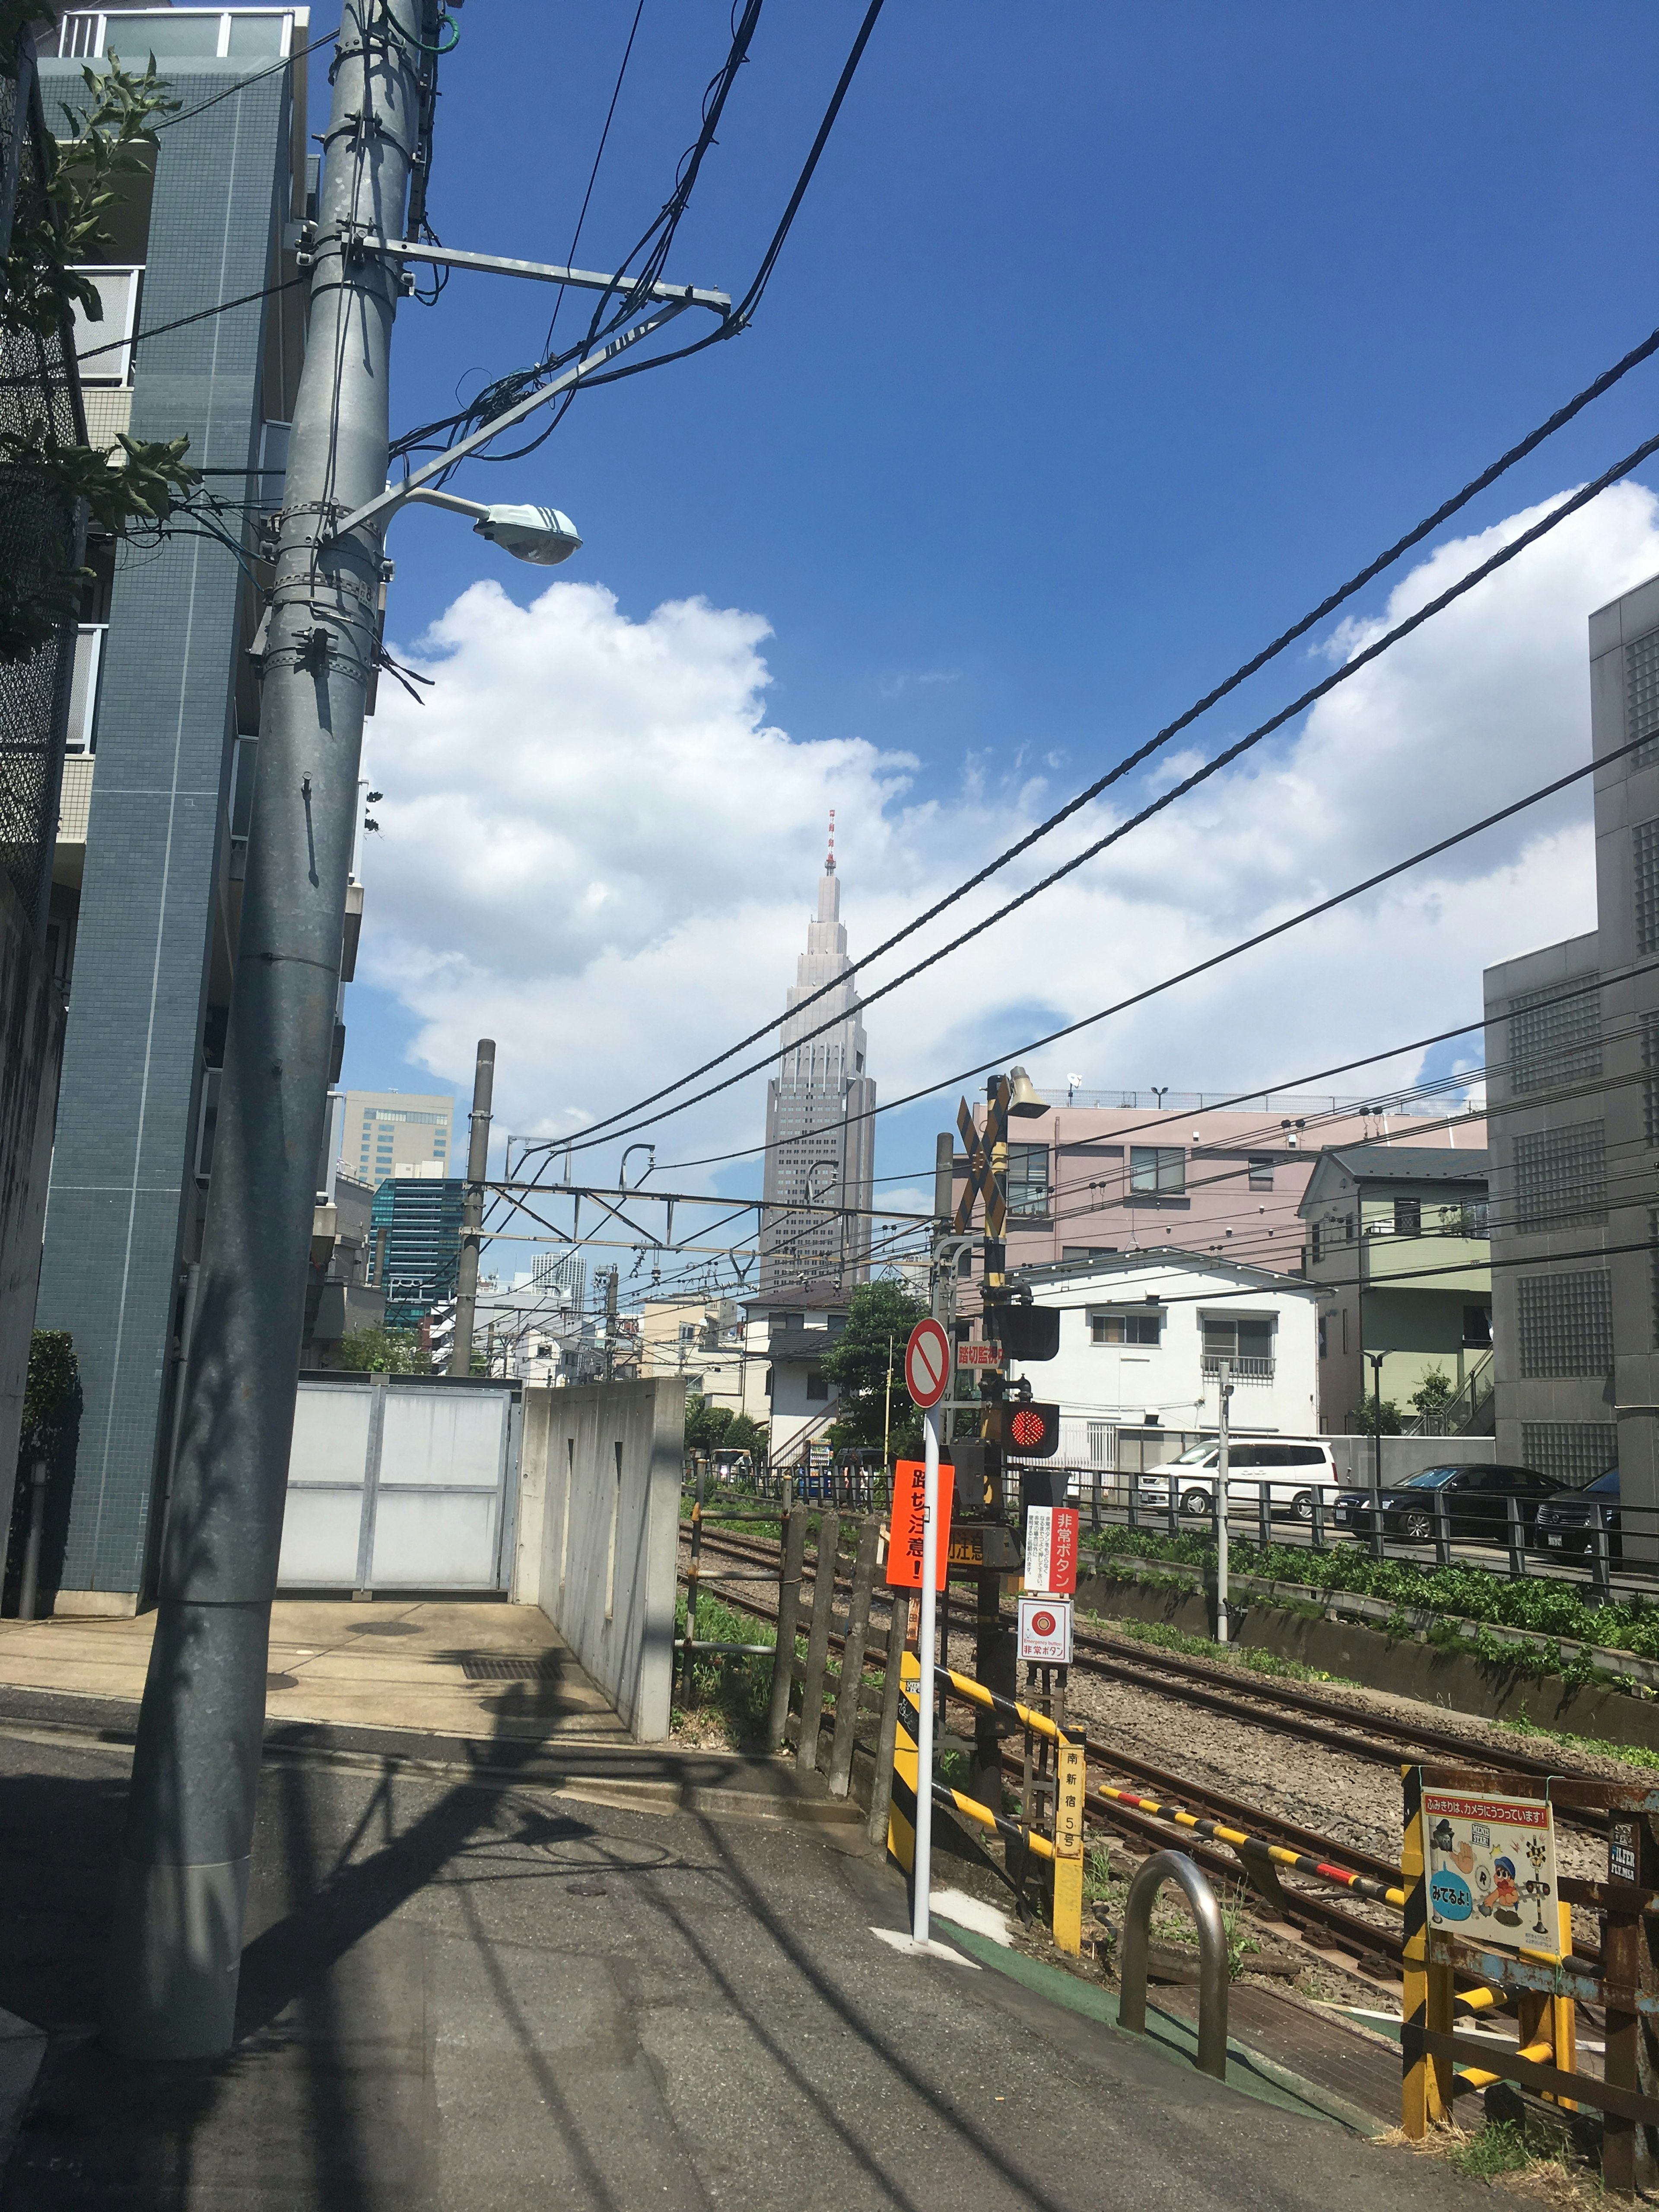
[392,1663]
[475,1987]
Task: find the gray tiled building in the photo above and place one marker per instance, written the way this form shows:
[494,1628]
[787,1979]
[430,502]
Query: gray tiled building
[1572,1047]
[166,714]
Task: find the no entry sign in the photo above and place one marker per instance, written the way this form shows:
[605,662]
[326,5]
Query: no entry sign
[928,1363]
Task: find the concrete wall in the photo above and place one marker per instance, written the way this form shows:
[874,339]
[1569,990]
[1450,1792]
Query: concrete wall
[31,1040]
[1403,1455]
[599,1533]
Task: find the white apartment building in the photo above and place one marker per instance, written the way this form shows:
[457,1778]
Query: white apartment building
[1141,1339]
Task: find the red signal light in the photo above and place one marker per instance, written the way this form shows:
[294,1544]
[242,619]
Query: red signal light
[1030,1430]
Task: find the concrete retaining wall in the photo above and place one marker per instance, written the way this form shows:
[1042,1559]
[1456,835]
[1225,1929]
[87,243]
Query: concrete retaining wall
[1453,1680]
[598,1533]
[31,1040]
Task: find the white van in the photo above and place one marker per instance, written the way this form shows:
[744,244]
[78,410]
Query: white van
[1295,1468]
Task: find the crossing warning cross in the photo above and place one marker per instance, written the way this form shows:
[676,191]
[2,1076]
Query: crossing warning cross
[982,1183]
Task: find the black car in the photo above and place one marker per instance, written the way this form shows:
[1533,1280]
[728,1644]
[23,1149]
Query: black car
[1564,1522]
[1476,1504]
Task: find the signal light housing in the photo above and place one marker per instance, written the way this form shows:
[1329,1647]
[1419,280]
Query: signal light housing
[1028,1430]
[1025,1332]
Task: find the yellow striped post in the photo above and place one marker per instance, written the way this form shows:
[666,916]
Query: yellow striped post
[1426,1999]
[901,1809]
[1070,1786]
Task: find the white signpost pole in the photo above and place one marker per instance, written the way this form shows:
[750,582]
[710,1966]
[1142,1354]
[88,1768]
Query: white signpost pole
[924,1852]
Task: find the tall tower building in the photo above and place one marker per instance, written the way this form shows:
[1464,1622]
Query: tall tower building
[820,1137]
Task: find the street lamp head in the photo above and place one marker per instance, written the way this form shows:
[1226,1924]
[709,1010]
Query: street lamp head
[537,534]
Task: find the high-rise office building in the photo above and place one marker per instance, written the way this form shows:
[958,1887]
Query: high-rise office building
[820,1130]
[164,715]
[381,1131]
[415,1228]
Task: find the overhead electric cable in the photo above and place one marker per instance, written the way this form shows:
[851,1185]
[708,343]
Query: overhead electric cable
[1488,476]
[602,1132]
[1199,967]
[593,173]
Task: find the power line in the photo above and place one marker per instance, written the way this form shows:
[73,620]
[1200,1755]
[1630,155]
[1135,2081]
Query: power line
[592,176]
[1529,444]
[1199,967]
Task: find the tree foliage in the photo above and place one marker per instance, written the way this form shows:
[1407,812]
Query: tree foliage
[1363,1418]
[56,226]
[1435,1393]
[378,1350]
[49,1394]
[718,1428]
[880,1317]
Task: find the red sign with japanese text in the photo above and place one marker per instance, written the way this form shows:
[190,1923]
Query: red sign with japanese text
[904,1534]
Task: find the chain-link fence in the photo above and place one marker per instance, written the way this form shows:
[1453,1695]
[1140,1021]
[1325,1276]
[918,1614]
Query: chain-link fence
[38,391]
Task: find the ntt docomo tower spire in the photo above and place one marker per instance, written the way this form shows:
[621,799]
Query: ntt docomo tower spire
[819,1134]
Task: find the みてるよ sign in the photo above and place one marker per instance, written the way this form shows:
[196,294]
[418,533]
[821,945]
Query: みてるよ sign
[1491,1870]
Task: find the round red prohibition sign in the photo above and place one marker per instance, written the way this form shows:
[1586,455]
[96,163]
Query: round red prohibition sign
[1044,1624]
[927,1364]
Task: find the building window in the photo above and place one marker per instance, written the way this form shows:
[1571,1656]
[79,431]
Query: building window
[1642,698]
[1408,1217]
[1653,1264]
[1318,1243]
[1157,1168]
[1570,1452]
[1651,1078]
[1477,1328]
[1554,1038]
[1261,1174]
[768,1385]
[1345,1328]
[1246,1340]
[1028,1180]
[687,1332]
[1566,1323]
[818,1385]
[1125,1329]
[1561,1178]
[1324,1345]
[1644,868]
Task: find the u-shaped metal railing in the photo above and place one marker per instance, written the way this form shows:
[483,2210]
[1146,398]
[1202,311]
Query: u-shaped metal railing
[1212,1975]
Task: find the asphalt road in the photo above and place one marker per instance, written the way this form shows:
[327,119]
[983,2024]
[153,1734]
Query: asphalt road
[466,1997]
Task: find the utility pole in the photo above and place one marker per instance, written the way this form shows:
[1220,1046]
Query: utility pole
[181,1888]
[478,1167]
[1224,1387]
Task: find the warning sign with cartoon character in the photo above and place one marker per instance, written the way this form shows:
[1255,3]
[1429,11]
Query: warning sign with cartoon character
[1491,1870]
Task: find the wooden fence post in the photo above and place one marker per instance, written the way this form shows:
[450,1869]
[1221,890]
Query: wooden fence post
[852,1658]
[881,1790]
[1426,1997]
[794,1553]
[818,1642]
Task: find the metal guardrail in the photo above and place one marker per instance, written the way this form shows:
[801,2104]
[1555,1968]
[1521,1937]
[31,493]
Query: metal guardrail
[1213,1979]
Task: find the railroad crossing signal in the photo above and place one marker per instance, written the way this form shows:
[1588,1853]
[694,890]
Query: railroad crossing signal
[1027,1431]
[982,1183]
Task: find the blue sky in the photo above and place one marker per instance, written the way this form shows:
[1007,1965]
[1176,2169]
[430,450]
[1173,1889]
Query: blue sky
[1107,340]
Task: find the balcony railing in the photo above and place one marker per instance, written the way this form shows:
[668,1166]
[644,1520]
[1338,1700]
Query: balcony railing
[251,35]
[83,687]
[1242,1370]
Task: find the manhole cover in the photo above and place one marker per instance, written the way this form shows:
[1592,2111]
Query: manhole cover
[388,1628]
[282,1681]
[484,1667]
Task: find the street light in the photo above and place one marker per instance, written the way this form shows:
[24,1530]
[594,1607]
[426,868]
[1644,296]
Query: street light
[540,535]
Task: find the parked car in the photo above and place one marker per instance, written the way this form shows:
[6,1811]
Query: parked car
[1564,1523]
[1476,1499]
[1294,1468]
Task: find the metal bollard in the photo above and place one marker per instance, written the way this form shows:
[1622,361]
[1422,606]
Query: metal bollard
[28,1594]
[1264,1514]
[1600,1552]
[1174,1504]
[1517,1536]
[1213,1979]
[1442,1529]
[1319,1519]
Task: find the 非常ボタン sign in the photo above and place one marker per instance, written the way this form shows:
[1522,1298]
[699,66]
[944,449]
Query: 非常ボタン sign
[928,1363]
[1045,1631]
[1490,1875]
[904,1531]
[1051,1544]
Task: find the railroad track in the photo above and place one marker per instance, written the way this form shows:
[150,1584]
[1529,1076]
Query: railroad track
[1281,1706]
[1313,1914]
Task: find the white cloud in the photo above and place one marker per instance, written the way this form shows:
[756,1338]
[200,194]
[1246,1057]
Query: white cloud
[597,848]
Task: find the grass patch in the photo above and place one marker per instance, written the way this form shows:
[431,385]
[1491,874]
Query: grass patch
[737,1688]
[1633,1754]
[1500,2147]
[1540,1605]
[1163,1637]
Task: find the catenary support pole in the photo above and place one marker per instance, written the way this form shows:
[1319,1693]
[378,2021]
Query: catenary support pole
[478,1167]
[181,1887]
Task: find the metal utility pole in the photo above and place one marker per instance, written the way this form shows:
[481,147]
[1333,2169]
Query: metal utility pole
[478,1167]
[181,1888]
[1224,1387]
